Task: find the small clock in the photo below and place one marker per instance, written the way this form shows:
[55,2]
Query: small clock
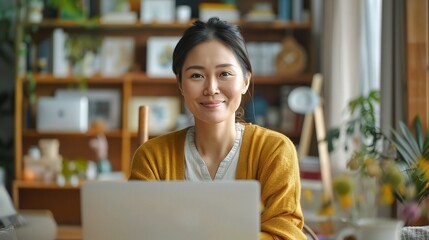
[292,59]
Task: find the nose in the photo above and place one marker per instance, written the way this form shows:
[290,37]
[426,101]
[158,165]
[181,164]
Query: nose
[211,87]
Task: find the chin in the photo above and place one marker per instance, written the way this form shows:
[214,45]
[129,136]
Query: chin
[206,119]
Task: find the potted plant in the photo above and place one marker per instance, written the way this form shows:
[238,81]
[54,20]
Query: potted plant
[413,156]
[382,169]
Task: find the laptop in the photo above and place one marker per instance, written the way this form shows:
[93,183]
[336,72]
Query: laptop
[155,210]
[62,114]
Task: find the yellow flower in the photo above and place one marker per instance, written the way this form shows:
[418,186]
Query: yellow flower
[373,169]
[307,194]
[423,164]
[393,175]
[410,192]
[386,194]
[354,162]
[327,209]
[343,185]
[346,201]
[369,159]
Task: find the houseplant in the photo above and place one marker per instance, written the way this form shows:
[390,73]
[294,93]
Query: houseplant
[413,157]
[355,190]
[382,169]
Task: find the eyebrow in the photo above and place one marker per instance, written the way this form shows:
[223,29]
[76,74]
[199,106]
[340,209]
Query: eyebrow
[201,67]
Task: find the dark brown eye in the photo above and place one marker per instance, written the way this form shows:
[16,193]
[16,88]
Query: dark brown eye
[196,75]
[225,74]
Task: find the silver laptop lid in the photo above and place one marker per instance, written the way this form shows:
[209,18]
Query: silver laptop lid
[62,114]
[171,210]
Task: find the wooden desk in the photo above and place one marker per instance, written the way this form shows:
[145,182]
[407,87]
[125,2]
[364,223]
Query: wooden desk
[69,232]
[62,201]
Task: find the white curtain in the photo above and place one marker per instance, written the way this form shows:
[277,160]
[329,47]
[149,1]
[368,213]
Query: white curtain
[350,60]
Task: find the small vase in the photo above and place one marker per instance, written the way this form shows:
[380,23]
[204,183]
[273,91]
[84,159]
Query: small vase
[367,190]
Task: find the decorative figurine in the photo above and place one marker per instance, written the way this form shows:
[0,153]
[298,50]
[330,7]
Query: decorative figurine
[100,145]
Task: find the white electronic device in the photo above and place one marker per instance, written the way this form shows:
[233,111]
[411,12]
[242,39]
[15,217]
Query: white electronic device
[180,210]
[62,114]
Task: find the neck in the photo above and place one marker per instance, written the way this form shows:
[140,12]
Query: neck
[214,141]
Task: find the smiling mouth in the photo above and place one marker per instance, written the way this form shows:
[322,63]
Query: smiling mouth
[212,104]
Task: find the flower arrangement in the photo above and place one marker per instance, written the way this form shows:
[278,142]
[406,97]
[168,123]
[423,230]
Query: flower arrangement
[382,169]
[413,158]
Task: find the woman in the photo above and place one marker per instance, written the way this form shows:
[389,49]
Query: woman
[213,72]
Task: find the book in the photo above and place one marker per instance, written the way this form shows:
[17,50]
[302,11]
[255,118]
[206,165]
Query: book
[60,64]
[309,168]
[224,11]
[297,10]
[43,62]
[284,10]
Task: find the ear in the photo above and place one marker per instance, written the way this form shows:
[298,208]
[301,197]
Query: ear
[179,84]
[247,81]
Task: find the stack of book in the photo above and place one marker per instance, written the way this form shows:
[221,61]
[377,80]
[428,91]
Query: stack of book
[309,168]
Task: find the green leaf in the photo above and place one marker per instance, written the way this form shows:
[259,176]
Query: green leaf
[419,132]
[350,128]
[404,149]
[425,152]
[374,95]
[331,135]
[408,136]
[355,103]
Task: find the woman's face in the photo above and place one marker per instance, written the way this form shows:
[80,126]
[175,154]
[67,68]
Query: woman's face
[213,82]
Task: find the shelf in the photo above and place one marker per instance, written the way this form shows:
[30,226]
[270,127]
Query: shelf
[142,78]
[35,133]
[135,77]
[301,79]
[274,25]
[48,79]
[145,79]
[95,25]
[42,185]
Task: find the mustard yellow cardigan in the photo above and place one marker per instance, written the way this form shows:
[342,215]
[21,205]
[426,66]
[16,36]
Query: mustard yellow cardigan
[265,155]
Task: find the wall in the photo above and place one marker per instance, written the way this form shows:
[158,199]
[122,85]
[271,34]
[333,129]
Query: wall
[418,60]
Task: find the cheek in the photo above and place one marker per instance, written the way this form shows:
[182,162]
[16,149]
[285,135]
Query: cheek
[189,91]
[233,89]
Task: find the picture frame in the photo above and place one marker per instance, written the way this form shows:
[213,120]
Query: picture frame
[159,11]
[103,105]
[117,55]
[163,113]
[159,56]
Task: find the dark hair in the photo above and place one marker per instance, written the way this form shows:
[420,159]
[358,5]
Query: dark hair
[213,29]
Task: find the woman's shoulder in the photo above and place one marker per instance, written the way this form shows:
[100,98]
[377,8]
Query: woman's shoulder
[167,140]
[264,137]
[258,131]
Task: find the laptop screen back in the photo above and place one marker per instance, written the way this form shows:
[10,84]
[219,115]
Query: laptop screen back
[171,210]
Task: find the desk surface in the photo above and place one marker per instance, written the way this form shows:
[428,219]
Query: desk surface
[69,232]
[44,219]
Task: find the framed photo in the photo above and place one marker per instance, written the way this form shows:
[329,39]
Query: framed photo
[163,113]
[103,104]
[160,11]
[159,57]
[117,55]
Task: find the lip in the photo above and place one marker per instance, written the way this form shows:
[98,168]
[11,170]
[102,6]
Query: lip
[212,104]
